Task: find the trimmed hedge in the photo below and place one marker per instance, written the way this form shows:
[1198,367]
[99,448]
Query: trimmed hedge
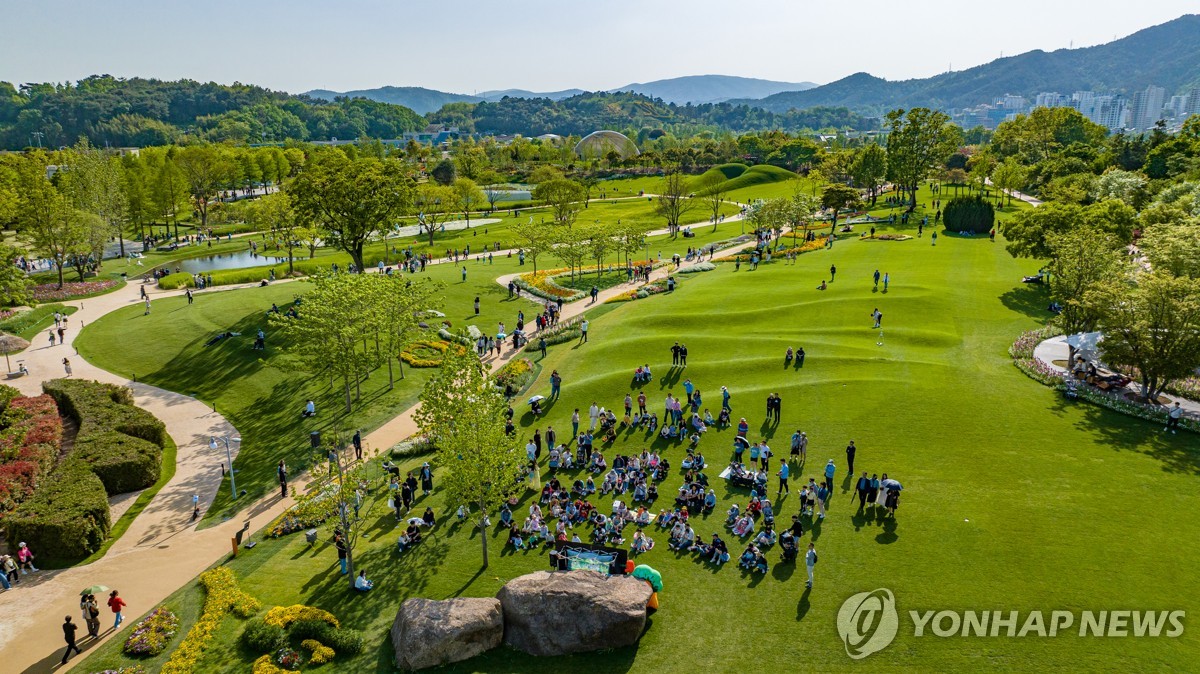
[7,394]
[122,443]
[66,518]
[969,214]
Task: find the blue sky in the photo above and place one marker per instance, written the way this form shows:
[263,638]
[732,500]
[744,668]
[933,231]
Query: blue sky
[474,45]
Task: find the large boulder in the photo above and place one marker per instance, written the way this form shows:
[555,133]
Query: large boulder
[561,612]
[429,633]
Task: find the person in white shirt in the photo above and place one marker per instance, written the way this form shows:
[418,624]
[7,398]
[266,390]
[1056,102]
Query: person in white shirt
[1173,417]
[362,584]
[593,415]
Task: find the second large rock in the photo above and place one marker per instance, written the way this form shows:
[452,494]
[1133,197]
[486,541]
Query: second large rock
[429,633]
[561,612]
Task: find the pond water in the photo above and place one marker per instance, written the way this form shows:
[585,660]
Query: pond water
[239,260]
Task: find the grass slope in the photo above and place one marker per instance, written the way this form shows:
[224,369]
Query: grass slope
[1014,498]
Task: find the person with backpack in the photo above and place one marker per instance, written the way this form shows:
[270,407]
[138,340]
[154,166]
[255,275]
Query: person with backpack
[810,561]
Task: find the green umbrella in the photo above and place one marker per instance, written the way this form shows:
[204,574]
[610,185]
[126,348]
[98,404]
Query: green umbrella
[95,589]
[648,574]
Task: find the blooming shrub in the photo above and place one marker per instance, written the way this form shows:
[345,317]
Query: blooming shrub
[783,252]
[224,596]
[320,652]
[641,292]
[284,616]
[517,373]
[153,633]
[50,292]
[885,236]
[30,438]
[288,659]
[538,283]
[698,267]
[265,665]
[132,669]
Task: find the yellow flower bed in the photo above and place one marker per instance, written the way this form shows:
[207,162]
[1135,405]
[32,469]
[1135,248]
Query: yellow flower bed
[540,282]
[284,616]
[412,357]
[224,596]
[320,652]
[265,665]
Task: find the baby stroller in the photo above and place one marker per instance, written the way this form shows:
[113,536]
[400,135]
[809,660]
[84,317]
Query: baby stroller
[1071,390]
[787,546]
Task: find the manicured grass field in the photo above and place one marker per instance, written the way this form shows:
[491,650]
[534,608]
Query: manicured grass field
[1014,498]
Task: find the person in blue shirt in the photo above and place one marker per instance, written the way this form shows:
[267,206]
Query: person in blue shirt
[822,500]
[783,479]
[830,469]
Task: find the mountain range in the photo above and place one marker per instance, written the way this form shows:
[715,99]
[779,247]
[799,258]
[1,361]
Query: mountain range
[1167,55]
[695,89]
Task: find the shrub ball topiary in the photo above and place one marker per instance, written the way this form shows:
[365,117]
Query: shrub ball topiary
[969,214]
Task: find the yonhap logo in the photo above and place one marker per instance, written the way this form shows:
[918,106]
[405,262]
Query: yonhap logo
[867,622]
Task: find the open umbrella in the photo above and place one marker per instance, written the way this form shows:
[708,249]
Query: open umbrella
[739,440]
[535,399]
[11,344]
[650,575]
[95,589]
[891,484]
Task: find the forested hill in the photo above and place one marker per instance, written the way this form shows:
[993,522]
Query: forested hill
[141,112]
[582,114]
[1167,55]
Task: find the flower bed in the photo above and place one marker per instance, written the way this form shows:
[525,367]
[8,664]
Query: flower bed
[288,659]
[224,596]
[806,247]
[517,374]
[50,292]
[426,352]
[887,236]
[698,267]
[306,515]
[284,616]
[30,440]
[153,633]
[321,653]
[132,669]
[542,283]
[655,287]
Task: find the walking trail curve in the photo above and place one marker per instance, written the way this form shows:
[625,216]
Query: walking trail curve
[162,549]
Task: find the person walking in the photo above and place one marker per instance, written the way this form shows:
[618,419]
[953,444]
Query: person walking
[830,469]
[1173,417]
[575,423]
[91,615]
[117,604]
[52,338]
[876,276]
[4,582]
[784,471]
[641,401]
[934,237]
[542,346]
[357,442]
[476,306]
[342,551]
[555,384]
[877,316]
[281,473]
[886,279]
[147,307]
[850,450]
[68,629]
[810,561]
[464,274]
[67,366]
[862,489]
[25,556]
[832,272]
[189,296]
[62,335]
[595,293]
[583,329]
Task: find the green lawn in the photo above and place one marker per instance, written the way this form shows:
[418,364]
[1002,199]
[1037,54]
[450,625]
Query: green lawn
[1014,498]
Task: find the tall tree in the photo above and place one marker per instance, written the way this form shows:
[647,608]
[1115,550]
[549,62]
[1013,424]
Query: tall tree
[534,238]
[435,204]
[918,140]
[205,169]
[869,169]
[274,214]
[14,284]
[712,189]
[1153,325]
[351,199]
[673,202]
[170,189]
[562,196]
[1009,176]
[48,221]
[1081,260]
[493,188]
[468,196]
[95,181]
[1174,248]
[462,412]
[837,196]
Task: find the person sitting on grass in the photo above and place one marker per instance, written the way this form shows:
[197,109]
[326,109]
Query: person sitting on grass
[405,542]
[723,418]
[694,460]
[641,543]
[787,546]
[362,584]
[652,424]
[427,517]
[515,539]
[719,551]
[708,417]
[748,558]
[732,515]
[766,537]
[505,515]
[760,563]
[310,409]
[744,526]
[710,501]
[665,518]
[643,517]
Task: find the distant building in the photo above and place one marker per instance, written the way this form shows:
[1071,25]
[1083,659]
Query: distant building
[1146,108]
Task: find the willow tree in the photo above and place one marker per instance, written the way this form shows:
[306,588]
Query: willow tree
[462,413]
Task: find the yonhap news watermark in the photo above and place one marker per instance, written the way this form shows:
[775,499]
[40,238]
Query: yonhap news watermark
[869,621]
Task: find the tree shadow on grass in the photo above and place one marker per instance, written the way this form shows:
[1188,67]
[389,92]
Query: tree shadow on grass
[1028,299]
[1126,433]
